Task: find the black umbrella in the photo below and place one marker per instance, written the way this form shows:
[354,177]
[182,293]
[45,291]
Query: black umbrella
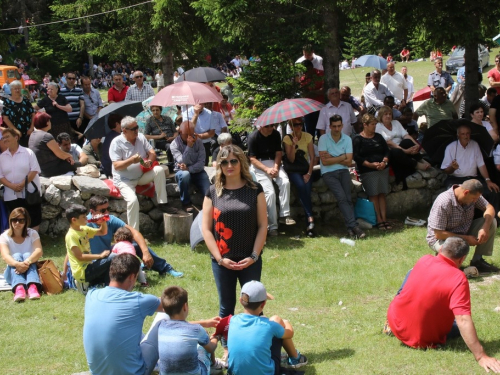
[440,135]
[98,126]
[202,75]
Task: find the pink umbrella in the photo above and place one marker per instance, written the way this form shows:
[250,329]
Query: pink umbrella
[186,93]
[288,109]
[422,94]
[30,82]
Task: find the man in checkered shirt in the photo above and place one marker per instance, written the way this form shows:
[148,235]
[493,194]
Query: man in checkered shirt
[140,91]
[452,215]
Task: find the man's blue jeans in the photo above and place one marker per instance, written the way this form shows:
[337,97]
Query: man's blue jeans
[226,279]
[30,276]
[304,191]
[184,178]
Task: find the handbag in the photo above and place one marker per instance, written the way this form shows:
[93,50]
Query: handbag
[32,199]
[364,209]
[50,278]
[299,165]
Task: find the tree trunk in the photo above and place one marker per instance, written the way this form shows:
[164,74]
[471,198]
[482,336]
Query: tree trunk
[331,58]
[91,57]
[167,61]
[471,76]
[23,23]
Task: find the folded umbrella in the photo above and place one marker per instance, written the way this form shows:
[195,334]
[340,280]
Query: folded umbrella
[288,109]
[195,234]
[98,126]
[440,135]
[202,74]
[373,61]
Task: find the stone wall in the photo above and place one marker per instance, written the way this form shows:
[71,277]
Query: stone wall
[62,191]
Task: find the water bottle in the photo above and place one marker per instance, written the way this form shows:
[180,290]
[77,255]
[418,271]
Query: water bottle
[347,241]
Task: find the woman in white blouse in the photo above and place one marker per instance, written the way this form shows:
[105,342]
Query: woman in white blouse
[404,154]
[21,248]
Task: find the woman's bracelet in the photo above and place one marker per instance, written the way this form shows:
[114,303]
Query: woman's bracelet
[220,261]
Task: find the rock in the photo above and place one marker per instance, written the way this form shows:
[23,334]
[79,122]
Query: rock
[327,197]
[44,226]
[145,204]
[392,179]
[173,190]
[91,185]
[70,197]
[62,182]
[117,205]
[296,212]
[58,226]
[434,184]
[429,173]
[406,201]
[315,198]
[358,187]
[103,177]
[415,181]
[45,182]
[52,195]
[397,187]
[123,217]
[50,212]
[156,215]
[319,186]
[85,196]
[146,224]
[327,207]
[333,215]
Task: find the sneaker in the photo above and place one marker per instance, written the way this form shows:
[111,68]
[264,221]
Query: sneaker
[217,367]
[167,209]
[287,220]
[175,273]
[272,233]
[19,294]
[483,266]
[300,361]
[310,230]
[358,232]
[33,292]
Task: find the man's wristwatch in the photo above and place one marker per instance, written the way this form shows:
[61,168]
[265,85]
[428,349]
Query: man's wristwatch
[487,179]
[254,256]
[220,261]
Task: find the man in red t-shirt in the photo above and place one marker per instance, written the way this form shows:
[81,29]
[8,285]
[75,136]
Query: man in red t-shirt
[435,295]
[118,91]
[494,75]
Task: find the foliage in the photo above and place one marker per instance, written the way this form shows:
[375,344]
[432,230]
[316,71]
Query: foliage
[265,83]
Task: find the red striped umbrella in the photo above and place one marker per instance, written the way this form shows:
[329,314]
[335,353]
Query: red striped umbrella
[288,109]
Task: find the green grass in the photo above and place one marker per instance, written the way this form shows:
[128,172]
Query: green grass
[308,277]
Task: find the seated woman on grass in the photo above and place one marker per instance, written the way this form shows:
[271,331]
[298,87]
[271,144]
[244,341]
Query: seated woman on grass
[21,248]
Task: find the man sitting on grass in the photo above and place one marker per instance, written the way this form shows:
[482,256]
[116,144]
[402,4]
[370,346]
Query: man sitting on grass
[183,347]
[255,341]
[433,304]
[86,267]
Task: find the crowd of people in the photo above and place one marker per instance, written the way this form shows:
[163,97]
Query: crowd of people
[240,209]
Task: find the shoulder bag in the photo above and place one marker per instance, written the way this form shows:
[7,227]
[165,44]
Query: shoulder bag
[50,278]
[34,198]
[299,165]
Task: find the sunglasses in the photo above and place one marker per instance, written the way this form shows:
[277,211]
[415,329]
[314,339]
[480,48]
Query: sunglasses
[298,124]
[225,162]
[139,77]
[20,220]
[103,210]
[71,78]
[267,126]
[132,129]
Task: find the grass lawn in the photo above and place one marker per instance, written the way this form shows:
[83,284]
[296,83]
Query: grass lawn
[308,277]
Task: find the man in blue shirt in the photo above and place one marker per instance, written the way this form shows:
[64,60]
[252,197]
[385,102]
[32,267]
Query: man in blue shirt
[114,317]
[100,205]
[335,152]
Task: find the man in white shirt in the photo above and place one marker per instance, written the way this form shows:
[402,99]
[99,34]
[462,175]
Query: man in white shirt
[236,61]
[375,92]
[309,54]
[411,87]
[336,107]
[462,159]
[396,83]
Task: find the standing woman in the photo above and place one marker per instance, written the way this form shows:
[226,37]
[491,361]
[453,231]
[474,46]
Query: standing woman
[58,108]
[18,113]
[160,80]
[234,225]
[300,140]
[21,248]
[371,155]
[17,163]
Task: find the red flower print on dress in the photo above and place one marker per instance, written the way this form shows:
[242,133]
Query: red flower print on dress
[223,233]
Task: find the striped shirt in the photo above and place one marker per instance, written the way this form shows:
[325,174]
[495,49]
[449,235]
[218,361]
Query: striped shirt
[73,97]
[449,215]
[136,94]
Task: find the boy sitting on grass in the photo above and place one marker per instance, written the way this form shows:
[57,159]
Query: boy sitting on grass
[254,341]
[86,267]
[183,347]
